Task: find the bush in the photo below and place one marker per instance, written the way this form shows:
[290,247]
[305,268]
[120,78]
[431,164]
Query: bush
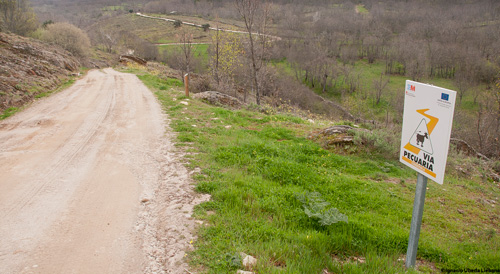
[68,37]
[200,84]
[383,141]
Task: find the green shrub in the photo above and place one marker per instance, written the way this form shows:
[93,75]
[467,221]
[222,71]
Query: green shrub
[382,141]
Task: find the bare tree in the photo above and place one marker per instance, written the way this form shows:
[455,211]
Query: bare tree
[254,14]
[17,16]
[379,87]
[186,46]
[105,38]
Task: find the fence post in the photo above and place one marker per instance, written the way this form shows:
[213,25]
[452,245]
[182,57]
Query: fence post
[186,83]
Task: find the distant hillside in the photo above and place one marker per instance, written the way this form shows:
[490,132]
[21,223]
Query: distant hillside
[29,68]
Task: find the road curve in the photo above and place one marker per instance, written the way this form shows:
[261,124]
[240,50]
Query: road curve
[86,178]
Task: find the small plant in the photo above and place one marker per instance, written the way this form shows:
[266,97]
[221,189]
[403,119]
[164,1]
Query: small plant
[46,23]
[496,167]
[233,260]
[317,208]
[177,23]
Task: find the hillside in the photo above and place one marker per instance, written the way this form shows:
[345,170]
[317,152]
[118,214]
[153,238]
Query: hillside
[278,196]
[30,68]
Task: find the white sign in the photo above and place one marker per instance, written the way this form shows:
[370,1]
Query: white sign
[427,121]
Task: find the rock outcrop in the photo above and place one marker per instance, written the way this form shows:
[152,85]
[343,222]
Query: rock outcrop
[217,98]
[131,58]
[29,67]
[338,135]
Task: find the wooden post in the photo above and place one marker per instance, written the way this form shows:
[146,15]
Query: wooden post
[186,83]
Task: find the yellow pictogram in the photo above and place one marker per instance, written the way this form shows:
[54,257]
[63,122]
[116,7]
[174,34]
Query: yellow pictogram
[430,127]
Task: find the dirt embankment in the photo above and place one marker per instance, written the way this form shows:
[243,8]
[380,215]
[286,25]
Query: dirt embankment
[29,67]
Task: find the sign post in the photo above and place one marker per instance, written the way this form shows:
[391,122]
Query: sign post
[425,138]
[416,221]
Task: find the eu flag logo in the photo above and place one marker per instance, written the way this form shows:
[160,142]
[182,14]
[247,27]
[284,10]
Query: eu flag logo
[445,96]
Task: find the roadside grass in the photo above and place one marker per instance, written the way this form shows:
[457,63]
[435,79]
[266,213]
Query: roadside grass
[8,112]
[256,166]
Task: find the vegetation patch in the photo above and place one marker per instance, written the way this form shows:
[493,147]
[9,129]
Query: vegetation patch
[8,112]
[256,166]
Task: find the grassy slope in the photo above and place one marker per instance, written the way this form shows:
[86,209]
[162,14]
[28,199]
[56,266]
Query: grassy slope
[255,165]
[362,101]
[221,23]
[199,51]
[155,31]
[161,32]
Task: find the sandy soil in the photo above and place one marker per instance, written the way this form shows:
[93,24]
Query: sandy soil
[91,183]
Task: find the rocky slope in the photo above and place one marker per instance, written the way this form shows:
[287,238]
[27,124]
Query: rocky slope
[29,67]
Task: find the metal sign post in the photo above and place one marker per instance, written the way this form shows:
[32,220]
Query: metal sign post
[416,220]
[425,139]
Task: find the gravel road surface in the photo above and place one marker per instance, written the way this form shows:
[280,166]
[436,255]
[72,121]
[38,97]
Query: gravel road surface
[91,183]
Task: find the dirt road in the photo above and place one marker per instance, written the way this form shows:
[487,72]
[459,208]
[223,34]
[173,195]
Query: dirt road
[90,183]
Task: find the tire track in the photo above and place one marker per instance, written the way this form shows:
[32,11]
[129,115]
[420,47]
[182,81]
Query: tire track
[68,151]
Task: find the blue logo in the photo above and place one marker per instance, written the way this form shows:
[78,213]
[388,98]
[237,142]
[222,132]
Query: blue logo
[445,96]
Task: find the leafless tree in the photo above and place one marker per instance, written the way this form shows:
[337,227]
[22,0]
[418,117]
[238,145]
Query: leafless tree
[17,16]
[186,47]
[379,87]
[254,14]
[107,39]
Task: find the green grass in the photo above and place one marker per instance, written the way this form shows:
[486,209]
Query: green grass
[8,112]
[362,101]
[199,50]
[255,166]
[362,9]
